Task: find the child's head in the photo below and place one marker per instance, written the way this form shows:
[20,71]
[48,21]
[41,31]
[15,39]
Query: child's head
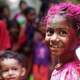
[38,36]
[22,5]
[41,25]
[12,65]
[30,14]
[63,28]
[6,11]
[14,33]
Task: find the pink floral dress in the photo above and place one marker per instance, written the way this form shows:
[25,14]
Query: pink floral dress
[70,71]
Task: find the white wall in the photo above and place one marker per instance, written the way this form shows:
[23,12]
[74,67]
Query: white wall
[14,5]
[34,3]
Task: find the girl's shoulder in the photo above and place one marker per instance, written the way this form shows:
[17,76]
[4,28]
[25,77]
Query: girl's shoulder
[70,71]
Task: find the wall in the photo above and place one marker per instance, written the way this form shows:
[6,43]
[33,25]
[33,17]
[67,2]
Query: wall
[14,5]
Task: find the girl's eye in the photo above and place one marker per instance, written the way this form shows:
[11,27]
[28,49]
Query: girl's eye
[63,32]
[50,31]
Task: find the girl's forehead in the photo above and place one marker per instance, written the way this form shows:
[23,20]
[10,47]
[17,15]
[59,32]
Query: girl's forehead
[58,18]
[53,21]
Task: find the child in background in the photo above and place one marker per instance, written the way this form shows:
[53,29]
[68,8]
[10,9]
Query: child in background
[21,24]
[30,15]
[13,66]
[41,57]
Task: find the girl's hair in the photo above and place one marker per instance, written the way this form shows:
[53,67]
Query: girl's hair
[28,10]
[70,11]
[2,7]
[13,55]
[22,2]
[1,12]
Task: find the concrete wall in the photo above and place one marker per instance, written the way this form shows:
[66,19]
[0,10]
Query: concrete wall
[14,5]
[34,3]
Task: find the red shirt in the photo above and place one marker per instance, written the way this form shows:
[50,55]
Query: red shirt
[4,36]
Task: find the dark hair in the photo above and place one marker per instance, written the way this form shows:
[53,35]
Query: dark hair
[1,11]
[6,6]
[9,54]
[28,10]
[75,23]
[2,7]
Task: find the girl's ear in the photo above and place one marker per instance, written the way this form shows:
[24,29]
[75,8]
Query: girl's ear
[23,73]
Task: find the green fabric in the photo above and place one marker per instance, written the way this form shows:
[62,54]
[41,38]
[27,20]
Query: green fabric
[31,77]
[21,20]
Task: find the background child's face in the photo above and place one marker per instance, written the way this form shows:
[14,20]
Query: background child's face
[42,27]
[23,6]
[11,69]
[60,36]
[37,37]
[14,32]
[6,12]
[31,15]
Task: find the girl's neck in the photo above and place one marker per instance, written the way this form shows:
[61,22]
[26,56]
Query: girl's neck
[57,61]
[53,60]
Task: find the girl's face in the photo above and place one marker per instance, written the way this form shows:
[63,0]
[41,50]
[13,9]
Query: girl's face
[23,6]
[60,36]
[11,69]
[31,15]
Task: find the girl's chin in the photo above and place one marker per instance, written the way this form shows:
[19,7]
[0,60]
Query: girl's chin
[56,52]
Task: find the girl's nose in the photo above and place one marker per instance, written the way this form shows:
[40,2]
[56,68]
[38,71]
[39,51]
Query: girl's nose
[10,72]
[54,37]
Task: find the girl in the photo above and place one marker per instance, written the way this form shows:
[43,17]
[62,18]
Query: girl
[63,27]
